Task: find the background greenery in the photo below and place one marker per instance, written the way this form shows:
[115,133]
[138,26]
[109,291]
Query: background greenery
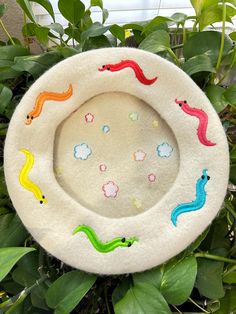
[202,279]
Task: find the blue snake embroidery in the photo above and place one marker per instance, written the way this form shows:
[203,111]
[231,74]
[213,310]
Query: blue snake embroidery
[198,203]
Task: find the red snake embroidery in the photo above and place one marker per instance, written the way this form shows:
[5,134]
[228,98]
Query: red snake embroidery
[203,121]
[129,64]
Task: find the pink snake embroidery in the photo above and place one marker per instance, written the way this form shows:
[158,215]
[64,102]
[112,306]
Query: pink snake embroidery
[203,121]
[129,64]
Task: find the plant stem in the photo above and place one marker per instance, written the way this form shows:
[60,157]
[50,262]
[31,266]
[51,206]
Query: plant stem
[222,37]
[52,40]
[6,32]
[106,301]
[215,257]
[197,305]
[174,56]
[195,25]
[177,46]
[184,33]
[230,209]
[175,307]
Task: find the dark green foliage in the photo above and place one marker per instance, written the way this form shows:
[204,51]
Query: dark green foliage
[202,279]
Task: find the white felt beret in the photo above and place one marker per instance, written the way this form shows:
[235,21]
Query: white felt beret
[116,161]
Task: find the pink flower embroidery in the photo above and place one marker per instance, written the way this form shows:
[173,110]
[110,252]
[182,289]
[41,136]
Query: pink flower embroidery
[110,189]
[151,177]
[102,167]
[139,155]
[89,117]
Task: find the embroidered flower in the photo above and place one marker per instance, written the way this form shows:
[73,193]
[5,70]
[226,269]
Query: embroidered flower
[89,117]
[152,177]
[137,203]
[102,167]
[110,189]
[105,128]
[155,124]
[82,151]
[164,150]
[133,116]
[139,155]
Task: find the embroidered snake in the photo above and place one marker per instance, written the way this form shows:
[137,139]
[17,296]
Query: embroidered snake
[25,181]
[203,121]
[129,64]
[45,96]
[198,203]
[107,246]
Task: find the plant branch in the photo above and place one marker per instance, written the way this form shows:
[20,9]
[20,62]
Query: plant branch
[6,32]
[215,257]
[222,37]
[197,305]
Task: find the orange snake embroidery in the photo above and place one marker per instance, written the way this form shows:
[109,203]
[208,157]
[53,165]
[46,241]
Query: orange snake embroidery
[42,98]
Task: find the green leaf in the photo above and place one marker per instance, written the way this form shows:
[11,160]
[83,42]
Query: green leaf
[9,257]
[96,3]
[228,303]
[10,52]
[200,5]
[152,277]
[26,7]
[232,176]
[233,36]
[209,278]
[179,18]
[72,10]
[200,63]
[46,4]
[68,290]
[233,154]
[41,34]
[137,26]
[207,42]
[216,96]
[118,32]
[56,27]
[121,290]
[212,15]
[105,15]
[230,278]
[178,279]
[96,43]
[142,298]
[156,42]
[12,231]
[5,97]
[95,30]
[230,94]
[158,20]
[3,8]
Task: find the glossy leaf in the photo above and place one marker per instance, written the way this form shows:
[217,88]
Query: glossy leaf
[179,18]
[178,279]
[233,36]
[105,15]
[96,3]
[41,34]
[230,278]
[118,32]
[5,97]
[46,4]
[156,42]
[72,10]
[26,7]
[9,256]
[3,8]
[207,42]
[158,20]
[228,303]
[209,278]
[95,30]
[142,298]
[10,52]
[199,5]
[152,277]
[216,96]
[96,43]
[230,94]
[67,291]
[200,63]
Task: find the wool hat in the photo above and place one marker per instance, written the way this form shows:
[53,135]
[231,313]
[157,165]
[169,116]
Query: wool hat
[115,161]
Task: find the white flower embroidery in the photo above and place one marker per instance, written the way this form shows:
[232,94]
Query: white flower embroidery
[89,117]
[82,151]
[139,155]
[164,150]
[152,177]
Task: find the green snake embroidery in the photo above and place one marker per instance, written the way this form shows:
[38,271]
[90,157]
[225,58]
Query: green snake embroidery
[107,246]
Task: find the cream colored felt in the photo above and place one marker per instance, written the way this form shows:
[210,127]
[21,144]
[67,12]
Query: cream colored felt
[72,186]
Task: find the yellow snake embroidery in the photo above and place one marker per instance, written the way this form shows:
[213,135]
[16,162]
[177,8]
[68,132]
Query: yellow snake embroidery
[25,181]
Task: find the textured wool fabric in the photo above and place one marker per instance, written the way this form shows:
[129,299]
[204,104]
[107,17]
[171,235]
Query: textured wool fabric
[119,151]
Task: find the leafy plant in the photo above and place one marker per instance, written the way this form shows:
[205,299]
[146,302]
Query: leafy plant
[202,279]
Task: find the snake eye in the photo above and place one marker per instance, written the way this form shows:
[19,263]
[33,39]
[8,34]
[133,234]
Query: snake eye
[185,101]
[123,240]
[108,69]
[103,66]
[43,196]
[208,178]
[203,177]
[180,105]
[31,117]
[27,117]
[129,244]
[41,202]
